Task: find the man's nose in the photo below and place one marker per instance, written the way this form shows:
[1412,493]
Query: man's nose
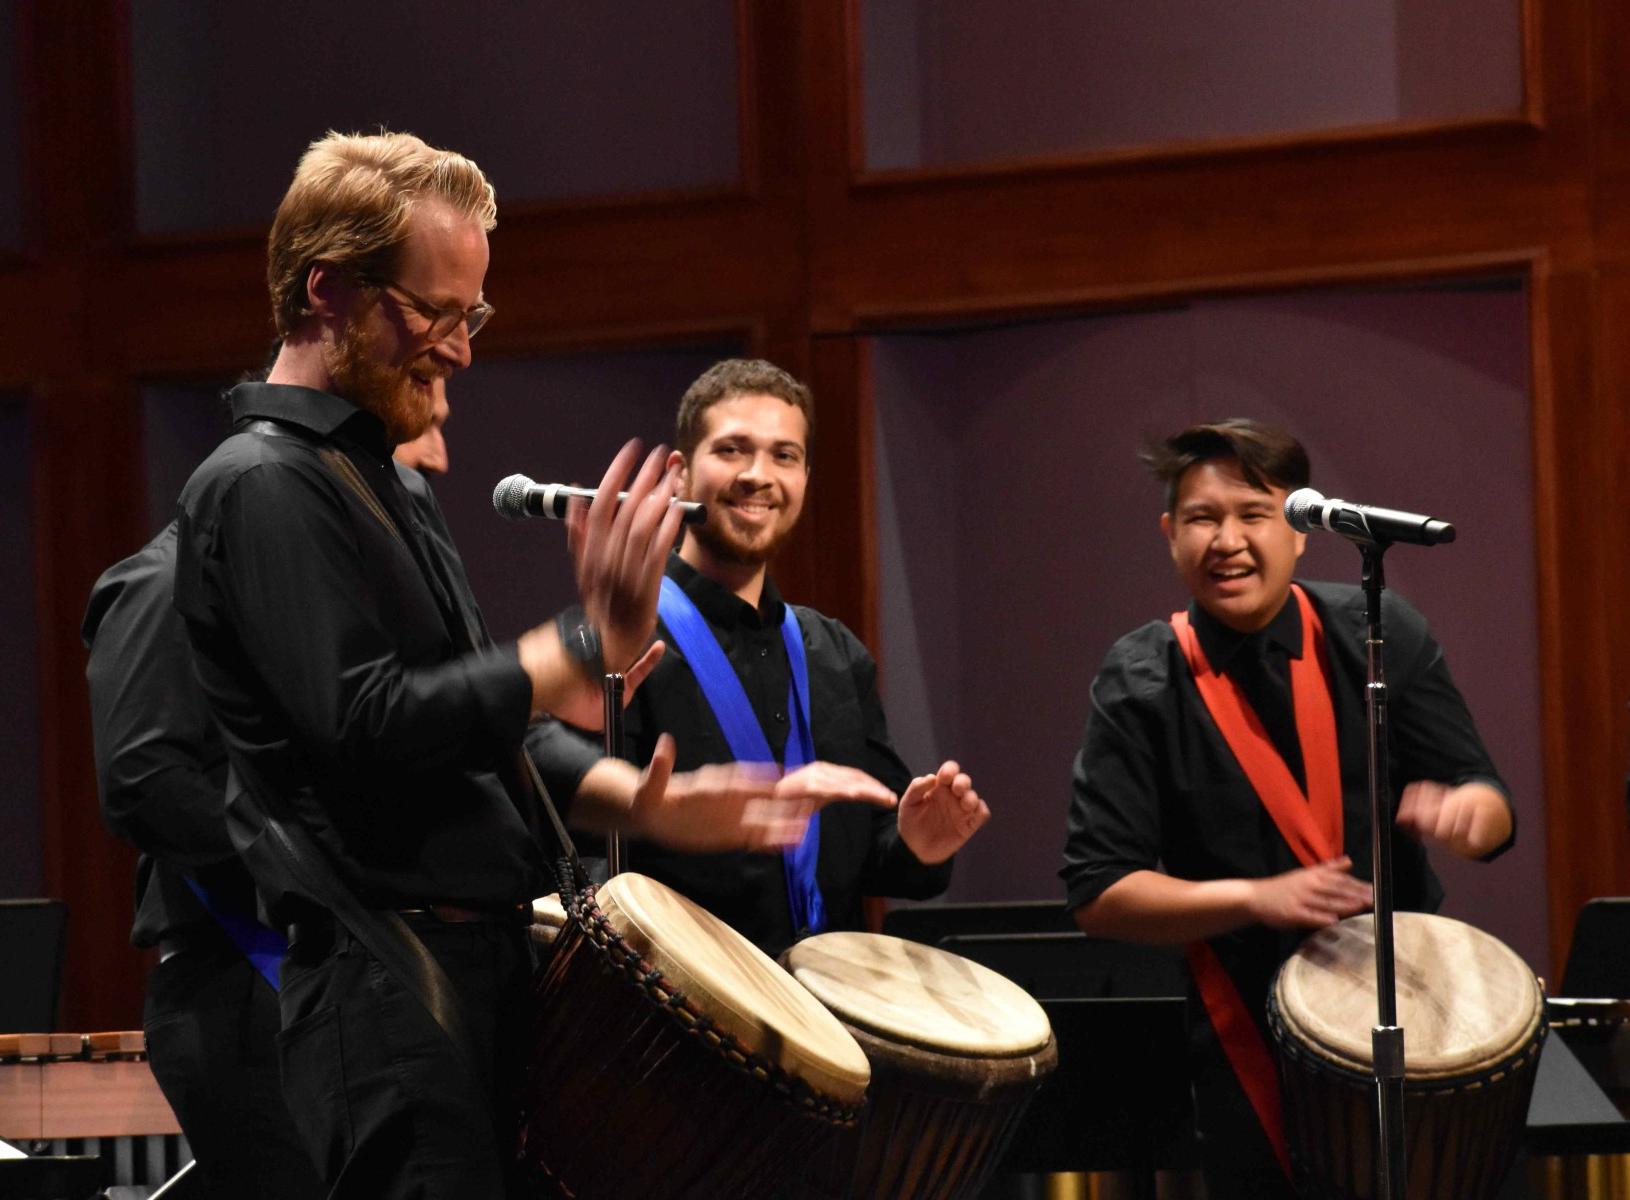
[1230,534]
[455,347]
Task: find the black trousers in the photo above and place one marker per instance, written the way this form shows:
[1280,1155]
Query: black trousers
[211,1023]
[386,1106]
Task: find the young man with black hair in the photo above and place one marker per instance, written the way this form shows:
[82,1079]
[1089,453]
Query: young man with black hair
[1170,839]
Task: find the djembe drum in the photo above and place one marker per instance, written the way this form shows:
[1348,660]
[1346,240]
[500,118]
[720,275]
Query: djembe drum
[956,1051]
[673,1058]
[1471,1013]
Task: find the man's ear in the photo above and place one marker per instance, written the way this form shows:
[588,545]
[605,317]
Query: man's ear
[676,459]
[328,291]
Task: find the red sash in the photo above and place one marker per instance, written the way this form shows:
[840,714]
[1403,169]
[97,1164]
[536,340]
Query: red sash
[1311,824]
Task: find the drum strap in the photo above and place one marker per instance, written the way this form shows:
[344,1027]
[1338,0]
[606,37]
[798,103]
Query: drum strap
[1309,822]
[722,690]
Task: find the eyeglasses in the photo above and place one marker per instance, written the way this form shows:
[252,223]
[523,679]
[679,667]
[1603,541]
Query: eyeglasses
[443,320]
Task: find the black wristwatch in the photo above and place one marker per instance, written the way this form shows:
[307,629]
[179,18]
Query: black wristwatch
[581,641]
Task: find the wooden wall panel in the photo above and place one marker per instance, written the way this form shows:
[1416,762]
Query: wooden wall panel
[806,257]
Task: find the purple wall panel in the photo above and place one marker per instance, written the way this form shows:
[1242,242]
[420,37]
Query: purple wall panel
[181,424]
[1037,509]
[22,859]
[553,100]
[996,79]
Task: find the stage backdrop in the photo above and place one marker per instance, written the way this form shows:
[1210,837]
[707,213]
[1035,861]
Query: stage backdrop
[1019,534]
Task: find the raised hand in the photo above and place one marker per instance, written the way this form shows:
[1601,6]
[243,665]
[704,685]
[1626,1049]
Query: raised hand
[940,812]
[1309,897]
[618,552]
[1469,820]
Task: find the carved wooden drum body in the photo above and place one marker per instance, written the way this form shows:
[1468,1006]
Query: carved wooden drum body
[673,1058]
[1472,1014]
[956,1050]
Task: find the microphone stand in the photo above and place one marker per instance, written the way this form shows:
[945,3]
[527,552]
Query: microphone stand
[1387,1036]
[612,691]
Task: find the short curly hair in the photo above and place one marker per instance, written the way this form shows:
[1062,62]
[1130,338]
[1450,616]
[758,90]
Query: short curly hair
[738,377]
[350,203]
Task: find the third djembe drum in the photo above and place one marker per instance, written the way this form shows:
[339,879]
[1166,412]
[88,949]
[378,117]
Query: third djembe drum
[1471,1013]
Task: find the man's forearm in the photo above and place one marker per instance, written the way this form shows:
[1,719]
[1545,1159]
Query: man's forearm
[605,796]
[1148,906]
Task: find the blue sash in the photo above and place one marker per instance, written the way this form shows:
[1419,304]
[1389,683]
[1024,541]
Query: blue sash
[263,947]
[743,734]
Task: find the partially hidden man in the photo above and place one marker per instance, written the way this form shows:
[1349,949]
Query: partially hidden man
[374,731]
[1170,839]
[749,677]
[211,1013]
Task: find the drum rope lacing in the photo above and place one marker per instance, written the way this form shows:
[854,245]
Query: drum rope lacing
[588,917]
[1491,1075]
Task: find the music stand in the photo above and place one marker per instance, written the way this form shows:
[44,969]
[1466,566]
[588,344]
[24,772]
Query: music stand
[1120,1099]
[1598,965]
[32,934]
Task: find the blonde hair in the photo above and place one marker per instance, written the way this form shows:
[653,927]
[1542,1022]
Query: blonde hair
[350,203]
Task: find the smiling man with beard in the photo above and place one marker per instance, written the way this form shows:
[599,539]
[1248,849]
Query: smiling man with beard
[748,677]
[377,736]
[1169,841]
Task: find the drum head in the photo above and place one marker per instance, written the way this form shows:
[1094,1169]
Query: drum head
[736,984]
[1465,1000]
[911,993]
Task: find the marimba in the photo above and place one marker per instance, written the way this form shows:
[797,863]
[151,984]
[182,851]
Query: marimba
[89,1094]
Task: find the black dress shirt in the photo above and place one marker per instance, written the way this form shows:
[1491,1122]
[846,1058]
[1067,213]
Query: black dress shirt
[348,666]
[160,764]
[1156,786]
[861,851]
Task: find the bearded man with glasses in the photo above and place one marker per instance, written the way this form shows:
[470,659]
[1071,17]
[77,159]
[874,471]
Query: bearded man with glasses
[379,791]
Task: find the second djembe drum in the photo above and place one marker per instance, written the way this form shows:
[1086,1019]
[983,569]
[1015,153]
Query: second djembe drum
[956,1050]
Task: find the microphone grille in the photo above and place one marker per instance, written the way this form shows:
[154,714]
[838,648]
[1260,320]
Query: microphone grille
[1298,505]
[509,497]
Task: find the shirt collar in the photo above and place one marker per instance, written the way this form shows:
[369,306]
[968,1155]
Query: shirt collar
[1221,643]
[722,607]
[322,413]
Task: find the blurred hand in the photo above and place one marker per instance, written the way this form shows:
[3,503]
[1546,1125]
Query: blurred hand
[715,808]
[1310,897]
[618,552]
[823,783]
[1469,820]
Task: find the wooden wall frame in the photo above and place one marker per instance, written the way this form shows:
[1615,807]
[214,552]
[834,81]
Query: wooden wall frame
[804,259]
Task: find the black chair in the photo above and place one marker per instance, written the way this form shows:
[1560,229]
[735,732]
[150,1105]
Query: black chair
[32,937]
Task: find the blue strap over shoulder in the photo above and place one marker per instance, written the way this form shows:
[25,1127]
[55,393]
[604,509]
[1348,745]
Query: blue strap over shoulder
[263,947]
[743,734]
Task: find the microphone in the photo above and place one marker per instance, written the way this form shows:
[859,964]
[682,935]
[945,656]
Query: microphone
[1308,510]
[517,496]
